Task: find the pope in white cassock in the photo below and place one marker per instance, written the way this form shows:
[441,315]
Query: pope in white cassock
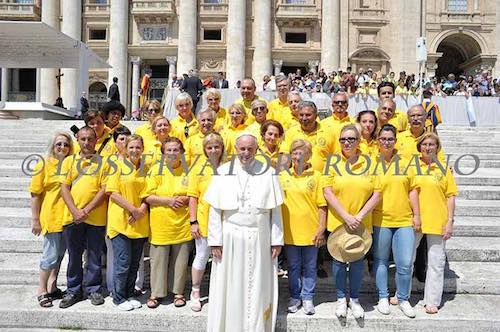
[245,233]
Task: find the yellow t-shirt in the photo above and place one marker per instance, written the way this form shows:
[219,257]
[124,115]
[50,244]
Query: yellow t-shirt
[168,225]
[199,179]
[221,119]
[130,184]
[434,190]
[248,109]
[47,183]
[351,189]
[369,148]
[323,141]
[194,148]
[86,177]
[394,210]
[146,132]
[335,123]
[401,90]
[407,146]
[179,126]
[152,152]
[303,197]
[108,149]
[229,135]
[280,112]
[399,120]
[264,151]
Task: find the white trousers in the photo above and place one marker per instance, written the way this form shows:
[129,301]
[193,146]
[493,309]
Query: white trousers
[436,261]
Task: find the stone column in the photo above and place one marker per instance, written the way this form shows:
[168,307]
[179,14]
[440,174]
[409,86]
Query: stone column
[188,29]
[344,34]
[48,81]
[118,47]
[72,26]
[15,79]
[497,38]
[262,32]
[236,41]
[172,60]
[136,68]
[330,35]
[5,85]
[38,84]
[277,63]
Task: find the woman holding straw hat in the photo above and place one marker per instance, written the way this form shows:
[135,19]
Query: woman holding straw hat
[349,218]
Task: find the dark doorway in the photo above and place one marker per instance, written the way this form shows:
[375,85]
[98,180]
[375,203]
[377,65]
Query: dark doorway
[461,53]
[292,69]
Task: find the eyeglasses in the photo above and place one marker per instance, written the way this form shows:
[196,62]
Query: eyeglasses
[387,139]
[259,108]
[339,102]
[344,140]
[64,144]
[152,110]
[213,99]
[186,131]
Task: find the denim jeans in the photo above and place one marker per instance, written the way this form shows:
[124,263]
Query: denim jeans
[126,256]
[301,271]
[79,237]
[356,270]
[402,241]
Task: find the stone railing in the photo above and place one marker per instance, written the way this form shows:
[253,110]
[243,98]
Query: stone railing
[96,8]
[213,8]
[27,10]
[297,10]
[153,10]
[22,96]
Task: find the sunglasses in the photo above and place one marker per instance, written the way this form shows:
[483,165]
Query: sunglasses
[259,108]
[339,102]
[213,99]
[152,110]
[351,140]
[63,144]
[387,139]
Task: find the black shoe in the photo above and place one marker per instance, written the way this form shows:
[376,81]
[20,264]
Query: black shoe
[69,299]
[96,299]
[57,294]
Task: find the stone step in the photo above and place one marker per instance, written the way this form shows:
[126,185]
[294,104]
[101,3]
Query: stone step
[479,192]
[472,208]
[473,249]
[19,309]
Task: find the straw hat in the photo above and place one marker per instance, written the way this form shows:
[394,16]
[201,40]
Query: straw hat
[349,246]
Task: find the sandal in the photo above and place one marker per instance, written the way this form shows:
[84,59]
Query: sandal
[195,301]
[179,301]
[431,309]
[44,301]
[57,294]
[153,303]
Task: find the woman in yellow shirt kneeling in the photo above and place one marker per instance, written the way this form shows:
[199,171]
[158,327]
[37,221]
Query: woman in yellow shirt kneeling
[199,179]
[170,233]
[351,192]
[47,209]
[128,222]
[304,224]
[437,191]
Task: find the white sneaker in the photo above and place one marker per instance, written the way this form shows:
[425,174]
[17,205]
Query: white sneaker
[125,306]
[341,310]
[407,309]
[357,309]
[308,307]
[293,305]
[383,306]
[135,303]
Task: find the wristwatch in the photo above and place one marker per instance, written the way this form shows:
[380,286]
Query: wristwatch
[193,222]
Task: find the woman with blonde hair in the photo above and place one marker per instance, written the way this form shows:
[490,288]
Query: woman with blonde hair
[151,109]
[304,224]
[353,212]
[184,125]
[170,233]
[161,128]
[128,222]
[47,210]
[238,117]
[213,100]
[437,192]
[199,179]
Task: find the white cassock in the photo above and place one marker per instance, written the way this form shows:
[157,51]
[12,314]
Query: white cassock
[245,219]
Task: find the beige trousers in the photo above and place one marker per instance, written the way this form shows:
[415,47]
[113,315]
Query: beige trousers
[436,261]
[169,268]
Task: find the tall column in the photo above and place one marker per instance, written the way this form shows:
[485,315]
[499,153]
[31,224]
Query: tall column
[37,88]
[136,68]
[48,81]
[72,26]
[262,32]
[188,28]
[277,63]
[497,38]
[118,47]
[5,85]
[330,35]
[236,41]
[15,79]
[344,34]
[171,68]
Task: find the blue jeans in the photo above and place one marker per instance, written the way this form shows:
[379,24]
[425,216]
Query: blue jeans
[301,271]
[126,256]
[402,241]
[79,237]
[356,270]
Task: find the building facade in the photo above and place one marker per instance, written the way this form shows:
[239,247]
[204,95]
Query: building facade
[253,38]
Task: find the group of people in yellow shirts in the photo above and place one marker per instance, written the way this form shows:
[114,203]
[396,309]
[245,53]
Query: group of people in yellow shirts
[376,181]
